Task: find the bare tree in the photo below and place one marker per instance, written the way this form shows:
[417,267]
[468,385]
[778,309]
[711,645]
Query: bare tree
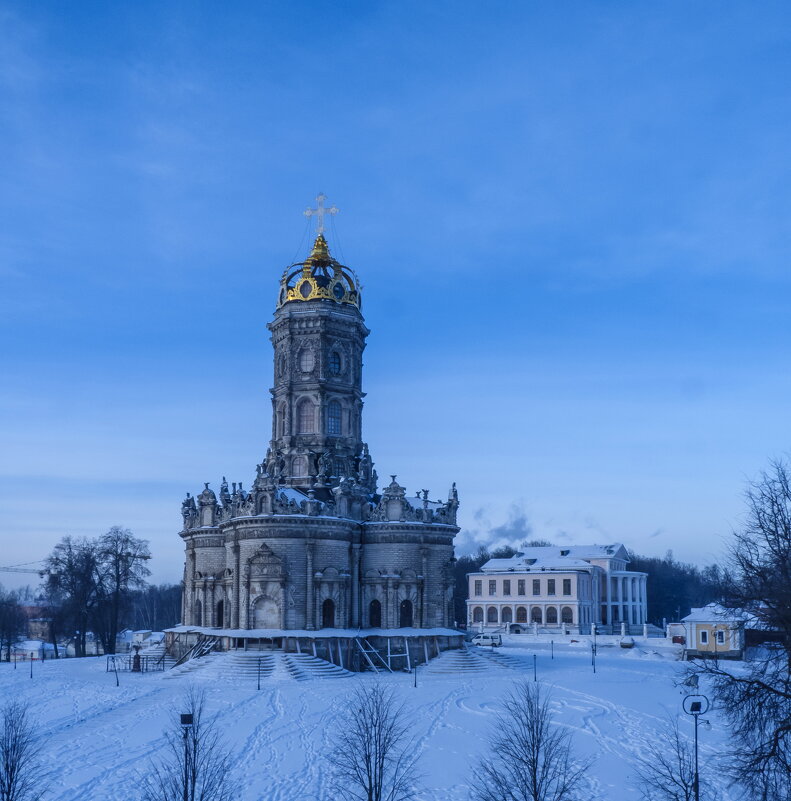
[22,776]
[756,701]
[375,759]
[530,758]
[666,770]
[196,764]
[121,562]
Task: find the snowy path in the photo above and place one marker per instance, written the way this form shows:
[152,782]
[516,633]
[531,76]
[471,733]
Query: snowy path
[99,738]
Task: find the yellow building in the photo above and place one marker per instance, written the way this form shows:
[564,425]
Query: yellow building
[714,631]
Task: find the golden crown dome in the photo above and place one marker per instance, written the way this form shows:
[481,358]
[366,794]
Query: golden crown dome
[319,277]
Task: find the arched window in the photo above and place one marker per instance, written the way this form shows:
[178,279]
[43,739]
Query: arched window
[306,416]
[566,615]
[491,614]
[535,615]
[521,614]
[299,467]
[306,360]
[335,363]
[506,615]
[328,614]
[477,614]
[552,615]
[334,418]
[220,609]
[375,614]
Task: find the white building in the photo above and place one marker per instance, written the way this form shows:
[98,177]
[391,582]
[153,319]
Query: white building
[569,587]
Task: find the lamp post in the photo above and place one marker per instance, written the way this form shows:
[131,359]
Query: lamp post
[186,728]
[696,705]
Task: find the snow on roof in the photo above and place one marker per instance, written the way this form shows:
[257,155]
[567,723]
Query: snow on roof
[319,633]
[711,613]
[555,557]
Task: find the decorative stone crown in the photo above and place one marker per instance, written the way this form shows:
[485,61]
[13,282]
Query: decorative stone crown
[319,277]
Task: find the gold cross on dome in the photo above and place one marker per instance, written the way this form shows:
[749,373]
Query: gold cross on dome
[320,211]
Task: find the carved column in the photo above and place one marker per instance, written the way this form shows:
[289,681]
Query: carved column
[246,622]
[421,621]
[237,589]
[282,603]
[390,624]
[309,602]
[355,586]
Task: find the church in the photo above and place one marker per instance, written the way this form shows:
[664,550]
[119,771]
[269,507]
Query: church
[314,543]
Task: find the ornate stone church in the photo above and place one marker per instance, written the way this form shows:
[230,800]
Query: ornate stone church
[313,543]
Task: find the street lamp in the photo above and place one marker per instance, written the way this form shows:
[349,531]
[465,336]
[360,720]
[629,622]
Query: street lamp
[186,728]
[696,705]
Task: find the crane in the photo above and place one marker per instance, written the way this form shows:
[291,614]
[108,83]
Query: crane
[22,569]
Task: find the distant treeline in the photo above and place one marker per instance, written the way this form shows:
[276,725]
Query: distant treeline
[673,587]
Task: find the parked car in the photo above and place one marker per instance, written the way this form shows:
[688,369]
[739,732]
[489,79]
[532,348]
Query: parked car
[487,639]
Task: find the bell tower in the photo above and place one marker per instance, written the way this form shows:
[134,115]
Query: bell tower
[318,336]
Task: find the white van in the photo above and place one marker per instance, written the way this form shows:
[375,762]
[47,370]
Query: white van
[487,639]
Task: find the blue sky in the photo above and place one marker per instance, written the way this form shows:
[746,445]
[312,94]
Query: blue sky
[571,220]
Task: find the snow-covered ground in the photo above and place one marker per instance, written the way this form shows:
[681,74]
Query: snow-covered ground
[99,738]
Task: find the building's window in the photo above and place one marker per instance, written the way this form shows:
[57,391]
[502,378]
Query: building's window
[536,586]
[566,615]
[520,587]
[567,586]
[333,417]
[306,360]
[281,419]
[492,587]
[720,638]
[704,638]
[552,614]
[521,614]
[506,615]
[491,614]
[507,587]
[306,417]
[299,466]
[335,363]
[564,553]
[478,587]
[550,586]
[477,615]
[535,614]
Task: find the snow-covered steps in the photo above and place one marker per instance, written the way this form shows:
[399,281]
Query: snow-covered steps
[459,661]
[248,665]
[506,660]
[305,666]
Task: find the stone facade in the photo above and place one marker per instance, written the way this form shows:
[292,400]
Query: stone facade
[313,543]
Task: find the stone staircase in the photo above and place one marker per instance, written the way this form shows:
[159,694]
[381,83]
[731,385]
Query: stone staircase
[156,652]
[459,661]
[244,666]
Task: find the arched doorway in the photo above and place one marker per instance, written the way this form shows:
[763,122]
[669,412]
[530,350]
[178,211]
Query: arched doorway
[266,614]
[521,614]
[477,615]
[375,614]
[491,614]
[552,615]
[328,614]
[506,615]
[535,614]
[566,615]
[405,614]
[220,621]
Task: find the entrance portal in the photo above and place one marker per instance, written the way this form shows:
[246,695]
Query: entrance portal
[405,621]
[266,614]
[328,614]
[375,614]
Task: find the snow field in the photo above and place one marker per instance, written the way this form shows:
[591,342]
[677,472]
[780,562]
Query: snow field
[98,738]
